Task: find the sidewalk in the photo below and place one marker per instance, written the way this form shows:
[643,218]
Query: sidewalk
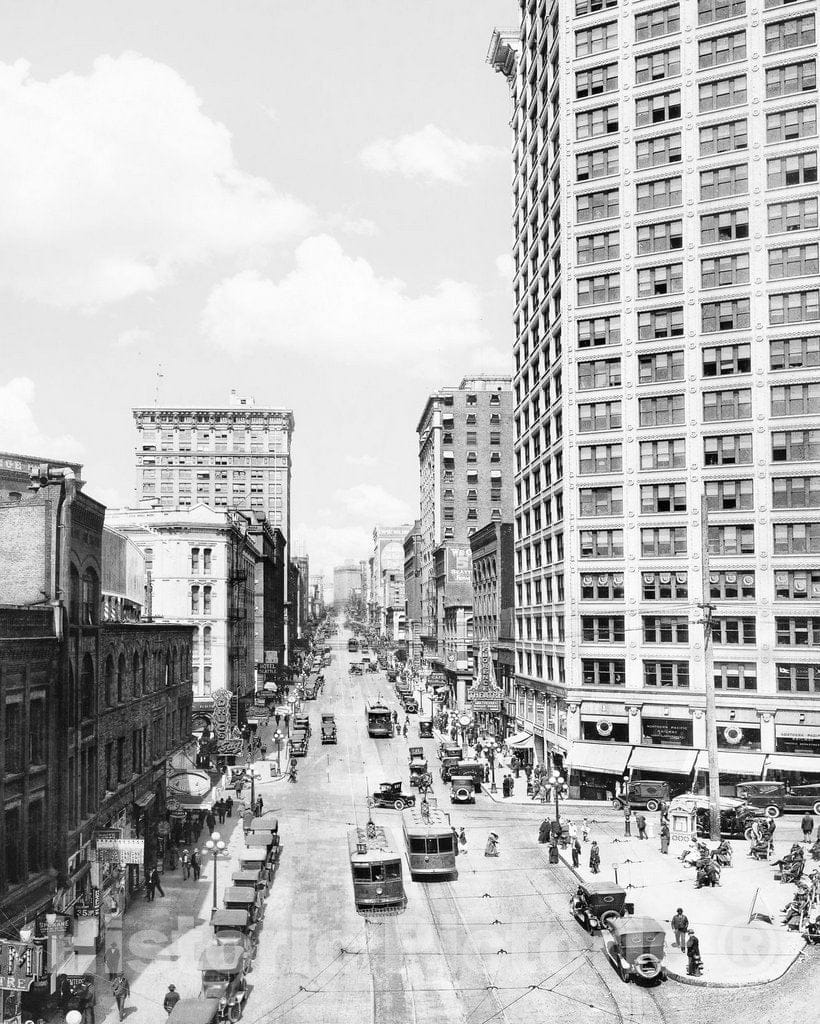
[735,951]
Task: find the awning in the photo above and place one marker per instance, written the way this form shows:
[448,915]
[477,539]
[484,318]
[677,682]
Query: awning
[793,763]
[600,757]
[735,762]
[521,741]
[677,760]
[145,800]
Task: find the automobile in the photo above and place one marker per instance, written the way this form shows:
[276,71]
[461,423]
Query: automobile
[417,764]
[301,722]
[309,690]
[328,728]
[299,743]
[635,945]
[411,705]
[643,794]
[595,904]
[372,666]
[392,676]
[194,1011]
[425,728]
[736,816]
[242,897]
[448,764]
[223,978]
[471,769]
[776,798]
[462,789]
[355,670]
[389,794]
[448,749]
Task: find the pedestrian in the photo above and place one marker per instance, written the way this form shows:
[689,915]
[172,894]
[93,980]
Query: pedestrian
[515,764]
[65,993]
[680,926]
[585,830]
[454,830]
[664,836]
[112,961]
[149,885]
[627,820]
[210,821]
[121,990]
[528,773]
[404,728]
[196,865]
[807,825]
[186,865]
[594,858]
[229,807]
[695,964]
[171,999]
[247,818]
[491,848]
[88,1000]
[257,807]
[576,853]
[186,829]
[542,790]
[462,839]
[572,830]
[544,831]
[219,807]
[640,821]
[173,856]
[486,773]
[156,882]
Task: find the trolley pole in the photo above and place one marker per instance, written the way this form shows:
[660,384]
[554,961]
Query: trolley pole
[709,677]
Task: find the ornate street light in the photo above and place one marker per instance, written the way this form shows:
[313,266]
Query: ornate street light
[278,736]
[215,847]
[490,749]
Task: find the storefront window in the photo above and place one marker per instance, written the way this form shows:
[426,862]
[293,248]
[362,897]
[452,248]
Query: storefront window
[596,731]
[797,739]
[738,737]
[666,732]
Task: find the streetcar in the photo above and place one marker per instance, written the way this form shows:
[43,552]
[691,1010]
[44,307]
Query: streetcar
[379,720]
[353,645]
[375,865]
[430,843]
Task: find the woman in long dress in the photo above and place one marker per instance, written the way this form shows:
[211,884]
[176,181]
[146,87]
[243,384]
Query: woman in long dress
[544,832]
[491,849]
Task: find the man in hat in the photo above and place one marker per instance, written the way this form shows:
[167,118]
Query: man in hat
[695,964]
[171,998]
[680,926]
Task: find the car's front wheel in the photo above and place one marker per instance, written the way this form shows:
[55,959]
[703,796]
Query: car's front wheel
[399,805]
[652,805]
[772,811]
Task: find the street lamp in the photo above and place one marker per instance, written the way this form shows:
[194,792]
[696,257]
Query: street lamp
[557,781]
[293,700]
[278,737]
[215,846]
[490,748]
[464,722]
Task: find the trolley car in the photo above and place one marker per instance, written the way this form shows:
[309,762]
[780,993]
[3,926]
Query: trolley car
[376,869]
[379,720]
[430,843]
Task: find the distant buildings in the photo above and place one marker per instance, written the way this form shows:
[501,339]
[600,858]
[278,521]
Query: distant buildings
[492,548]
[412,593]
[316,597]
[301,599]
[386,589]
[347,581]
[465,460]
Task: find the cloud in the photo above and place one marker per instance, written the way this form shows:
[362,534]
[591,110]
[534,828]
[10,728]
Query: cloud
[329,546]
[134,337]
[335,306]
[19,432]
[361,226]
[429,154]
[114,180]
[361,460]
[373,504]
[505,267]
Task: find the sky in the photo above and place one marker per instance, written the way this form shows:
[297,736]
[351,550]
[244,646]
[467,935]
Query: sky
[306,200]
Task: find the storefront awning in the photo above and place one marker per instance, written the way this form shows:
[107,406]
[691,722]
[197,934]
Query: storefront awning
[677,760]
[734,762]
[793,763]
[521,741]
[600,757]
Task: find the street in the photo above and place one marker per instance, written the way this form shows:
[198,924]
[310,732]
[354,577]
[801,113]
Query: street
[496,944]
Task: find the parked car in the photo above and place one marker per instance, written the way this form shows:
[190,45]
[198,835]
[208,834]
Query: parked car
[390,794]
[643,794]
[775,797]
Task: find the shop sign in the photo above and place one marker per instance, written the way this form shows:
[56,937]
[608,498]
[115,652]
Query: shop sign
[90,907]
[796,732]
[20,964]
[59,926]
[122,851]
[221,714]
[672,731]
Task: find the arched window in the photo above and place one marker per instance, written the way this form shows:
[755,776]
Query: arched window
[167,676]
[206,600]
[159,670]
[206,641]
[135,674]
[144,686]
[74,595]
[109,680]
[121,679]
[87,686]
[90,614]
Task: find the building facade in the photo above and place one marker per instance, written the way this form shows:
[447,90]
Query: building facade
[465,455]
[666,390]
[492,549]
[412,593]
[202,567]
[302,596]
[269,640]
[347,580]
[387,581]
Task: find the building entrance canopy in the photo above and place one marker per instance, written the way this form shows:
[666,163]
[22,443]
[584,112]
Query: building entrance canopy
[610,758]
[793,763]
[734,762]
[521,741]
[677,760]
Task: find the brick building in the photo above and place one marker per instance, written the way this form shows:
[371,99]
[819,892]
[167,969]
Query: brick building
[412,593]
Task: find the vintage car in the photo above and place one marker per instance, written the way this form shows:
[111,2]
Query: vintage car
[355,670]
[392,676]
[462,789]
[242,897]
[644,795]
[328,728]
[736,816]
[448,749]
[410,705]
[389,794]
[417,764]
[448,764]
[223,978]
[425,728]
[776,797]
[299,743]
[635,945]
[595,904]
[194,1011]
[302,722]
[256,880]
[469,768]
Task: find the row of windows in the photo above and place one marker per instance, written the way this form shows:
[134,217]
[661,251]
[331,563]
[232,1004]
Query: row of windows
[656,542]
[727,675]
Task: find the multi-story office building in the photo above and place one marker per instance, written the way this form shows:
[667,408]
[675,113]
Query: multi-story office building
[465,455]
[412,593]
[387,581]
[301,599]
[666,351]
[347,580]
[202,568]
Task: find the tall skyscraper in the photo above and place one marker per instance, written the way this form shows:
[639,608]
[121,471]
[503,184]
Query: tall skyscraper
[236,456]
[666,351]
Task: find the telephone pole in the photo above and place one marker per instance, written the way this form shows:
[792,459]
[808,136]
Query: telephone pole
[709,676]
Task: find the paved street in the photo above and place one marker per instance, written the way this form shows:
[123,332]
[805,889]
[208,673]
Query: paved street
[496,944]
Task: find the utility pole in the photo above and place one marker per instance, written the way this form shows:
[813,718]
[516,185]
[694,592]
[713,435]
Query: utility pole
[709,677]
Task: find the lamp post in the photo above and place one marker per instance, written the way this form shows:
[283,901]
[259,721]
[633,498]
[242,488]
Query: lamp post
[464,722]
[293,700]
[278,737]
[490,748]
[215,846]
[557,782]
